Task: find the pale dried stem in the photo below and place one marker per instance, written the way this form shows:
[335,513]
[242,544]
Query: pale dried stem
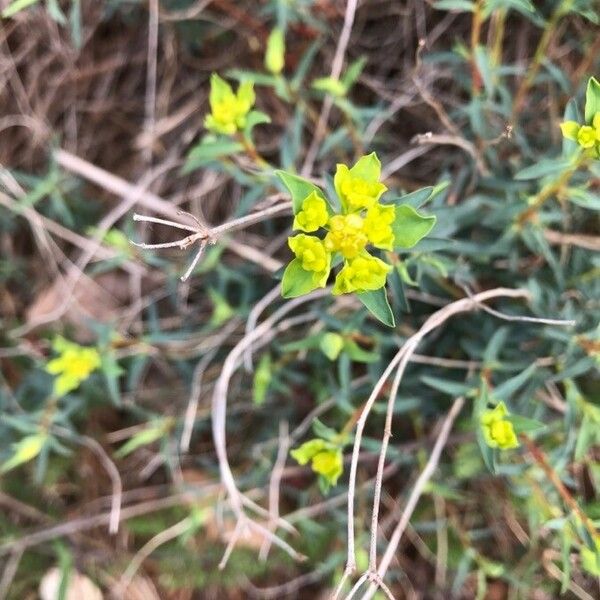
[403,356]
[261,335]
[336,70]
[415,494]
[274,485]
[255,313]
[147,549]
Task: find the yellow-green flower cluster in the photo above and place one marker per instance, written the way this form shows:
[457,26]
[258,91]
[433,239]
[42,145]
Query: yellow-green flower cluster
[229,110]
[498,431]
[587,136]
[73,365]
[363,221]
[325,458]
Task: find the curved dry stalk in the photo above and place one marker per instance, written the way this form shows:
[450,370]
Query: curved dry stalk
[274,485]
[401,359]
[192,406]
[147,549]
[262,335]
[255,313]
[415,494]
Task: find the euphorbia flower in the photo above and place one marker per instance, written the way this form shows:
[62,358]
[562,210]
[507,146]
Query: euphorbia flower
[73,365]
[228,110]
[498,431]
[313,214]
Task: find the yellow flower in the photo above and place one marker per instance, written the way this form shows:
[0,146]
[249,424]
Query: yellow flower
[498,432]
[359,187]
[311,252]
[346,235]
[361,274]
[312,215]
[74,365]
[378,226]
[325,457]
[228,110]
[586,136]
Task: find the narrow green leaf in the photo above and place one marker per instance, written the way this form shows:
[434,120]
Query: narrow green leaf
[208,150]
[377,303]
[592,99]
[543,168]
[455,5]
[262,379]
[17,6]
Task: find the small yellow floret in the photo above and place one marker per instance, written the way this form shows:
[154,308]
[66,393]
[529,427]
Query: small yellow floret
[586,136]
[356,192]
[378,226]
[311,252]
[228,110]
[346,235]
[498,432]
[361,274]
[312,215]
[73,366]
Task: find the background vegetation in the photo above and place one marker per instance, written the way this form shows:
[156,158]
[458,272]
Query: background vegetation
[117,482]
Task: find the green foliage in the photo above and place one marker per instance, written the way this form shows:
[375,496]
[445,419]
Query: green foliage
[493,197]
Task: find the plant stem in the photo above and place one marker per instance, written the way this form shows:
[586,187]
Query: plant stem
[540,53]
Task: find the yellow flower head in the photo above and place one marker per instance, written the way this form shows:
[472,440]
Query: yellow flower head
[360,274]
[498,432]
[378,226]
[359,187]
[325,457]
[346,235]
[586,136]
[228,110]
[310,250]
[313,214]
[74,365]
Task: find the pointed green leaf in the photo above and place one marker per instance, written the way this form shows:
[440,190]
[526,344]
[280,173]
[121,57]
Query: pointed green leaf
[296,281]
[592,99]
[331,345]
[377,303]
[209,149]
[299,188]
[367,167]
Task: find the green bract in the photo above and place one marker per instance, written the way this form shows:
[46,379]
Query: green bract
[275,55]
[362,223]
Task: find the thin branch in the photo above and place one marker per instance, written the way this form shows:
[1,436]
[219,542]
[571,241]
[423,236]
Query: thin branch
[415,494]
[336,70]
